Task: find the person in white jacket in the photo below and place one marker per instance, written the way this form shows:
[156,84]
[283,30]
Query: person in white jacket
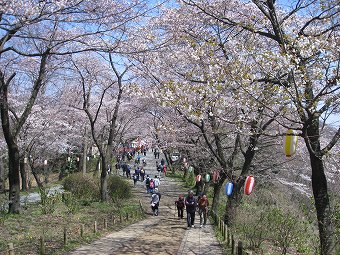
[157,181]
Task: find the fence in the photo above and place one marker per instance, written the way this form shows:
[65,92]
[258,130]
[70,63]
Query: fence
[82,230]
[236,246]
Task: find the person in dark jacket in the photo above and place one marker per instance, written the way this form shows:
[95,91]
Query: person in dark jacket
[190,204]
[180,204]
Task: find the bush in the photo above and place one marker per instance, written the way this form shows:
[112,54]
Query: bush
[48,202]
[71,202]
[285,228]
[119,189]
[253,227]
[82,186]
[190,180]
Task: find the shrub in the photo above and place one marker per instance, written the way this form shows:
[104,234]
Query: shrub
[190,180]
[119,189]
[82,186]
[71,202]
[285,228]
[253,227]
[48,202]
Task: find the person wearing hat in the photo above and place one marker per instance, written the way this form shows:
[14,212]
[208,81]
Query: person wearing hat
[190,204]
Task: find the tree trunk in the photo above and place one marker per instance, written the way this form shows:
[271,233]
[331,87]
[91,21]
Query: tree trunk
[216,197]
[37,179]
[232,205]
[206,188]
[319,186]
[323,210]
[2,176]
[103,181]
[46,174]
[84,165]
[14,179]
[23,174]
[168,160]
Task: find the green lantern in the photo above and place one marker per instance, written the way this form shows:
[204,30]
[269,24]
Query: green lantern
[207,178]
[190,169]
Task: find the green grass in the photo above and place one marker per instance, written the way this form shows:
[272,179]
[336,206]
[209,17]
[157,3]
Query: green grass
[175,175]
[24,230]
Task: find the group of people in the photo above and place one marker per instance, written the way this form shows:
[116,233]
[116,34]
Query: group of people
[152,184]
[139,174]
[161,167]
[191,204]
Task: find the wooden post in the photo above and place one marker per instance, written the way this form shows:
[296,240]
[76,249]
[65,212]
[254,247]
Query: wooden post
[224,232]
[65,235]
[42,246]
[232,245]
[95,227]
[228,238]
[81,230]
[113,220]
[105,224]
[239,248]
[127,216]
[120,218]
[141,206]
[10,249]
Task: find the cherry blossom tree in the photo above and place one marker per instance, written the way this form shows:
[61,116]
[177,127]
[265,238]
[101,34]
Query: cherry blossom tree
[302,65]
[32,33]
[102,86]
[202,78]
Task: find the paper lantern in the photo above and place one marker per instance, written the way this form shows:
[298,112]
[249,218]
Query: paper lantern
[290,143]
[249,185]
[216,176]
[198,178]
[190,169]
[229,189]
[207,178]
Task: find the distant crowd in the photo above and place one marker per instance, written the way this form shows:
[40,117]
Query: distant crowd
[189,203]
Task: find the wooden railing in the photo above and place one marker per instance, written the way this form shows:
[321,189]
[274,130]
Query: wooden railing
[236,246]
[115,219]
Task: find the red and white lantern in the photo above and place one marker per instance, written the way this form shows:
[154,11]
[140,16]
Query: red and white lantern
[249,185]
[216,176]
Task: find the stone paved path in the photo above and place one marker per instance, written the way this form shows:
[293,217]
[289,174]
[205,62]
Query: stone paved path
[163,234]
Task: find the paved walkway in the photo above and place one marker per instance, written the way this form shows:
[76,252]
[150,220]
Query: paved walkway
[163,234]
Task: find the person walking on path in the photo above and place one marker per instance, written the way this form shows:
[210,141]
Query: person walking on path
[147,183]
[157,181]
[190,204]
[152,185]
[142,174]
[203,204]
[134,177]
[155,203]
[164,170]
[180,206]
[159,169]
